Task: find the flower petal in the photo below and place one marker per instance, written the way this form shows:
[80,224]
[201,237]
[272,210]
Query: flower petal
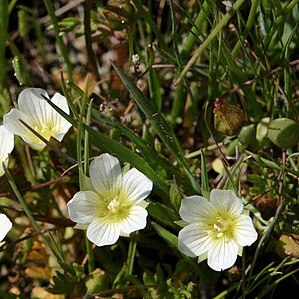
[5,225]
[58,120]
[84,207]
[6,142]
[6,146]
[60,101]
[195,239]
[222,254]
[245,232]
[136,185]
[12,123]
[194,209]
[105,175]
[34,106]
[136,220]
[227,202]
[103,232]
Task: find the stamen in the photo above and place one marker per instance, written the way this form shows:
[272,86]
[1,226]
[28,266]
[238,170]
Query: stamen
[113,205]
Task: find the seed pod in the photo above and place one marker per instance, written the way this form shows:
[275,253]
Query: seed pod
[283,132]
[228,118]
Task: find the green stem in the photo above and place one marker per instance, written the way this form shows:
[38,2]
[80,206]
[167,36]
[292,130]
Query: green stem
[195,31]
[149,19]
[17,193]
[130,44]
[3,28]
[61,45]
[87,33]
[178,103]
[131,253]
[279,21]
[222,23]
[278,212]
[13,48]
[250,21]
[21,200]
[89,251]
[89,248]
[80,133]
[86,139]
[11,6]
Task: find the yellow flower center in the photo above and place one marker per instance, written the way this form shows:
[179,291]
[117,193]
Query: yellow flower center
[113,206]
[116,207]
[223,226]
[47,130]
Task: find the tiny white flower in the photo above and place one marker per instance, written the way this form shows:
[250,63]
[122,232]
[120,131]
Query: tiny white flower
[116,206]
[6,147]
[135,59]
[39,115]
[5,226]
[216,230]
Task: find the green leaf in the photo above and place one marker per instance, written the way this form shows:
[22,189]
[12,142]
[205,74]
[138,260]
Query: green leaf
[163,214]
[158,122]
[204,173]
[170,238]
[97,281]
[110,146]
[149,153]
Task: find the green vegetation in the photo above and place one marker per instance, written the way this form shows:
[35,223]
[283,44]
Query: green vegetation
[197,95]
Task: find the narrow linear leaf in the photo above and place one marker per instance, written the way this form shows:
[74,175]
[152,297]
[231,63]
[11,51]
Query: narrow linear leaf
[170,238]
[210,37]
[50,145]
[158,122]
[146,149]
[110,146]
[163,214]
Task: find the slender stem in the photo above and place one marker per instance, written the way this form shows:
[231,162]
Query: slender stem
[180,98]
[149,19]
[3,28]
[223,22]
[89,250]
[86,139]
[11,6]
[87,34]
[278,212]
[130,44]
[21,200]
[30,216]
[131,253]
[250,21]
[287,9]
[61,45]
[178,103]
[195,31]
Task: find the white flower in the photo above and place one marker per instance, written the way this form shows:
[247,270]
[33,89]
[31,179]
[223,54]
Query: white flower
[6,147]
[216,230]
[116,205]
[39,115]
[5,226]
